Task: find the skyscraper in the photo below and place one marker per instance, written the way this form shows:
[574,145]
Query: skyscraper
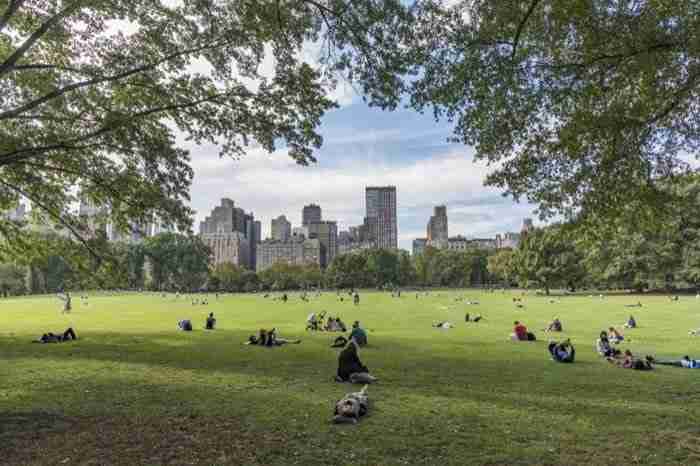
[437,227]
[310,214]
[281,228]
[380,206]
[327,234]
[231,234]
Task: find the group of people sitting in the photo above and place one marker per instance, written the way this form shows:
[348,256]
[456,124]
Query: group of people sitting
[185,325]
[333,324]
[626,360]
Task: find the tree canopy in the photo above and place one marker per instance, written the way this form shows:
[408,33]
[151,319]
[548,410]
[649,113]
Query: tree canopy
[95,94]
[580,106]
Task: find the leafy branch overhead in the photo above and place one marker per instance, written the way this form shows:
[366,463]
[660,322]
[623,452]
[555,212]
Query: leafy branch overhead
[96,95]
[580,105]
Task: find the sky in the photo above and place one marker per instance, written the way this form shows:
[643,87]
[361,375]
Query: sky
[362,146]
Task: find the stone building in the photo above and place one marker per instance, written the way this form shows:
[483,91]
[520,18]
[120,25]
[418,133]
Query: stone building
[281,228]
[232,234]
[295,251]
[327,234]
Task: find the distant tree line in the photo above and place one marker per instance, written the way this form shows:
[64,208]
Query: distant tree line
[637,251]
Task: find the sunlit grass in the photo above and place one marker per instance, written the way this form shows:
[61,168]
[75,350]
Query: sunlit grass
[461,396]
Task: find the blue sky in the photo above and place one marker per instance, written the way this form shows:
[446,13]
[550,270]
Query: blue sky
[363,146]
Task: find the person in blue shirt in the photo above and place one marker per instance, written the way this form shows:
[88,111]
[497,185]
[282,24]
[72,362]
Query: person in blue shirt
[358,333]
[562,352]
[685,363]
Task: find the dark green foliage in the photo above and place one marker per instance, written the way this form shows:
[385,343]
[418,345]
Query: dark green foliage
[177,262]
[12,279]
[547,258]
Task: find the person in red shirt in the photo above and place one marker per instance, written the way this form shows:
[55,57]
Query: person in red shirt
[519,332]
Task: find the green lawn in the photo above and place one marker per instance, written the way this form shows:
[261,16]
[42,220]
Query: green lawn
[132,390]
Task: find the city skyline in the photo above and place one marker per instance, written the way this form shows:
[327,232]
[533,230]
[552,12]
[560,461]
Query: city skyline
[362,147]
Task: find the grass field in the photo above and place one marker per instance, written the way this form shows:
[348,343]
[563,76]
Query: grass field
[132,390]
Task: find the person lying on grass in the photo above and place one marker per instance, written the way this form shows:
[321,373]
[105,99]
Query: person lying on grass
[520,333]
[68,335]
[630,362]
[562,352]
[350,368]
[684,362]
[211,322]
[351,408]
[444,325]
[269,338]
[631,323]
[604,347]
[615,336]
[468,318]
[339,342]
[554,326]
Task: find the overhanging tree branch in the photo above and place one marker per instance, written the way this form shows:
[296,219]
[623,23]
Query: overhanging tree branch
[56,216]
[116,77]
[43,29]
[521,27]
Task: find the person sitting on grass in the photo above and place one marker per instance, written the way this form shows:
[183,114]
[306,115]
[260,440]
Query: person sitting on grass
[68,335]
[185,325]
[630,362]
[685,363]
[554,326]
[332,325]
[67,303]
[562,352]
[520,333]
[631,323]
[341,325]
[312,322]
[615,336]
[605,348]
[358,334]
[211,322]
[350,368]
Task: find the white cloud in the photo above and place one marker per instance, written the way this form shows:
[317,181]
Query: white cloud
[271,185]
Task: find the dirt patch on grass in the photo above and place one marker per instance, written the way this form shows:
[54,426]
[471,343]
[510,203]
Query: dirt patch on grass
[44,438]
